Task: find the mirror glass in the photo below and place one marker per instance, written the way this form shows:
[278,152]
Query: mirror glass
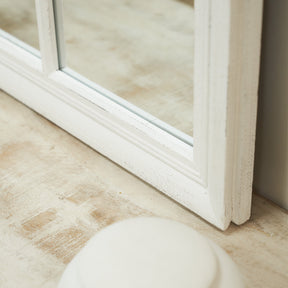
[18,18]
[140,50]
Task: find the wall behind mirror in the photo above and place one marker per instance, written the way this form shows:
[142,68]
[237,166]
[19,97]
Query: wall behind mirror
[140,50]
[18,18]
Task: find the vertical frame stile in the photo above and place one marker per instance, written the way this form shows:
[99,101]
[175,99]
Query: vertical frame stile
[47,35]
[246,19]
[201,85]
[59,31]
[219,50]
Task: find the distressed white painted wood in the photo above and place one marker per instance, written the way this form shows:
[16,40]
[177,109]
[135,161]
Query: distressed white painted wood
[59,30]
[213,177]
[243,84]
[47,35]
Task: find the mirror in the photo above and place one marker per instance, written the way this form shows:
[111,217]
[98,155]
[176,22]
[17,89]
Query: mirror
[140,50]
[18,18]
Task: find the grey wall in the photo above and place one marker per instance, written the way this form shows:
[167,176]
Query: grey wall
[271,162]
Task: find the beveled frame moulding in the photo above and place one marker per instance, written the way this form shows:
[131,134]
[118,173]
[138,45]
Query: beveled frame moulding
[212,177]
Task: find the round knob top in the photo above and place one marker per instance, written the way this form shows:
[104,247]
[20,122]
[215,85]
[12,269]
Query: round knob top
[147,252]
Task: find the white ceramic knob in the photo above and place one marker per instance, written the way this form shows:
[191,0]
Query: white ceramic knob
[150,252]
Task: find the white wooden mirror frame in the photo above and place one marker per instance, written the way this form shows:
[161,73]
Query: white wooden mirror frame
[213,177]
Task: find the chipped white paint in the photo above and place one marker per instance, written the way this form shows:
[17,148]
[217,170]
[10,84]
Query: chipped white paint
[212,178]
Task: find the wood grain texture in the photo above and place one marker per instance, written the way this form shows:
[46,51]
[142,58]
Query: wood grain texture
[56,193]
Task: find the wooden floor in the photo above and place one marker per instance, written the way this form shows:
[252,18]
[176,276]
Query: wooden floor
[140,50]
[56,193]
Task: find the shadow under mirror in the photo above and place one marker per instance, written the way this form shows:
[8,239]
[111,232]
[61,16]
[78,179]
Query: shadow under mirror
[140,50]
[18,18]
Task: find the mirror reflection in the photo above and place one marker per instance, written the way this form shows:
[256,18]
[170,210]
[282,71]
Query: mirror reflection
[18,18]
[140,50]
